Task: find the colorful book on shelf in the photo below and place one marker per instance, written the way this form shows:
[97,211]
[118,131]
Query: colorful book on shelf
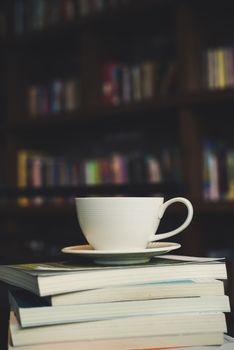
[218,67]
[221,64]
[28,172]
[36,15]
[111,83]
[230,174]
[55,278]
[126,84]
[221,153]
[148,75]
[22,181]
[210,173]
[135,326]
[154,174]
[136,82]
[218,171]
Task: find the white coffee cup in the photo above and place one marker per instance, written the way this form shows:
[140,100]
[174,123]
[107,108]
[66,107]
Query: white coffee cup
[125,223]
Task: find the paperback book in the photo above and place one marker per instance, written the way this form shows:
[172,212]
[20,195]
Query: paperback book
[171,301]
[49,279]
[34,311]
[133,326]
[146,291]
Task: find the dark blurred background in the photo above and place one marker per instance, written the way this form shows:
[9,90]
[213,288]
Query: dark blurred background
[115,97]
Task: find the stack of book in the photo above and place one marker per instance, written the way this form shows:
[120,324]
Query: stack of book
[171,301]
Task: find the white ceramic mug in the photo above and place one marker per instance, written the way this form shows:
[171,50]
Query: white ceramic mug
[125,223]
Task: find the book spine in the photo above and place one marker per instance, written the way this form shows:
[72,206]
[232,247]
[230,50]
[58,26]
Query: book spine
[206,173]
[32,101]
[221,68]
[213,175]
[71,95]
[153,170]
[230,171]
[37,177]
[210,69]
[126,84]
[22,180]
[136,83]
[148,83]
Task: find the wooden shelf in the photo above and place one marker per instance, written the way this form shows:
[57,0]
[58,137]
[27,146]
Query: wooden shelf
[112,189]
[7,209]
[98,114]
[121,112]
[207,97]
[46,210]
[98,21]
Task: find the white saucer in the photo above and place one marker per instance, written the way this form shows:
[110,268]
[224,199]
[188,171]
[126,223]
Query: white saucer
[113,257]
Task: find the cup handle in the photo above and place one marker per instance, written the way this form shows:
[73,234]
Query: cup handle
[163,207]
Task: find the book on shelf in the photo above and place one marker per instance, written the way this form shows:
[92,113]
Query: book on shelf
[61,95]
[49,279]
[32,311]
[153,325]
[37,169]
[138,81]
[218,67]
[148,73]
[38,14]
[218,171]
[25,175]
[126,86]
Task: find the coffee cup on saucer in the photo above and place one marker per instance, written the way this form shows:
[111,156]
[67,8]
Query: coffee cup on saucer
[125,223]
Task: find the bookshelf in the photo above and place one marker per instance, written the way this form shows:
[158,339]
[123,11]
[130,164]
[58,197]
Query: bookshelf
[121,37]
[89,42]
